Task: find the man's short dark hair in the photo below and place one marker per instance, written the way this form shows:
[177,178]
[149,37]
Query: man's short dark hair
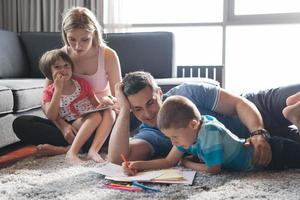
[177,112]
[134,82]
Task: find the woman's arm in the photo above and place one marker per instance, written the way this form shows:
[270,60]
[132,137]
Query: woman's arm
[94,101]
[112,67]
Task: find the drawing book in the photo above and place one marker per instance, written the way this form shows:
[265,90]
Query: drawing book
[174,175]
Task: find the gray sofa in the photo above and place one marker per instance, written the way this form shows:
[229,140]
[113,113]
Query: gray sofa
[21,82]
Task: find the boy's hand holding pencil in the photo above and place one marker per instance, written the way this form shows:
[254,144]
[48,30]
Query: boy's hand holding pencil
[129,167]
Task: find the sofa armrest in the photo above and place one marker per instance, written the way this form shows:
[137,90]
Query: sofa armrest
[167,83]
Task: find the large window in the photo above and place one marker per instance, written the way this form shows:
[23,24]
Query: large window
[257,41]
[252,7]
[260,57]
[166,11]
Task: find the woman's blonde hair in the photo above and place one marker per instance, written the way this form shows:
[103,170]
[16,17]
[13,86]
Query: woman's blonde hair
[83,18]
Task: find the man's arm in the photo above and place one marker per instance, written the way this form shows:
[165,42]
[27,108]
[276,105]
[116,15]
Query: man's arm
[230,104]
[119,138]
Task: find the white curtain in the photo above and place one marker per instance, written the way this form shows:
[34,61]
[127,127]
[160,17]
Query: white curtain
[41,15]
[114,18]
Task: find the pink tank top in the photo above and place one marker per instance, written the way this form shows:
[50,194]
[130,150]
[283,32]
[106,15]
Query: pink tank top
[98,81]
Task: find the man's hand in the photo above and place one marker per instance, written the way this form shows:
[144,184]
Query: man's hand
[262,150]
[69,132]
[122,99]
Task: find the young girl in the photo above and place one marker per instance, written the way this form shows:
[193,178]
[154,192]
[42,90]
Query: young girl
[69,98]
[93,61]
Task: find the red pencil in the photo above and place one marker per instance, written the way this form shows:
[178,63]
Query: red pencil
[122,187]
[124,160]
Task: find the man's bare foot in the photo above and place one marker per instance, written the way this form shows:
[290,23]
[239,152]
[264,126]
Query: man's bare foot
[95,157]
[50,150]
[73,159]
[293,99]
[292,113]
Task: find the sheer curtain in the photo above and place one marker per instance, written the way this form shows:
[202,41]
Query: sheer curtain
[114,16]
[41,15]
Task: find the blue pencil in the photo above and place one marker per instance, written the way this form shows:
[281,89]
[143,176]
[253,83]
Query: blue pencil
[147,188]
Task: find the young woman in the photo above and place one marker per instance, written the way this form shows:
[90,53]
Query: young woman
[93,61]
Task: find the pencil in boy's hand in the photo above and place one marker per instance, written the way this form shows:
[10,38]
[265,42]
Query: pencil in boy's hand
[124,160]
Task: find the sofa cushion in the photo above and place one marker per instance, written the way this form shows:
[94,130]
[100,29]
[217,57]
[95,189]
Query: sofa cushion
[7,134]
[37,43]
[148,51]
[7,101]
[13,63]
[27,93]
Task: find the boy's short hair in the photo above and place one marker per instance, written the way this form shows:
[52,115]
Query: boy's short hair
[177,112]
[134,82]
[49,58]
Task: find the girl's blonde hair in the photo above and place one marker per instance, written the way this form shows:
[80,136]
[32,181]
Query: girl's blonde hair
[83,18]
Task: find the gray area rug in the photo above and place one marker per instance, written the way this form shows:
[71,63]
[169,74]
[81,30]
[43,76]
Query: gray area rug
[51,178]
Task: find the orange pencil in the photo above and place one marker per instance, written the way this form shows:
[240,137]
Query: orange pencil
[124,160]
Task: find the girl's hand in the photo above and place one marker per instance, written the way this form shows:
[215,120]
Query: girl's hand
[58,81]
[131,168]
[69,132]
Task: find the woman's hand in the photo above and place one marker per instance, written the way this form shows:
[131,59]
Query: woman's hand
[105,101]
[262,150]
[116,106]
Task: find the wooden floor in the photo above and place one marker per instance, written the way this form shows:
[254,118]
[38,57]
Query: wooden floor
[14,153]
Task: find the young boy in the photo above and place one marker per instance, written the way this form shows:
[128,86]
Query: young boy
[70,98]
[209,140]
